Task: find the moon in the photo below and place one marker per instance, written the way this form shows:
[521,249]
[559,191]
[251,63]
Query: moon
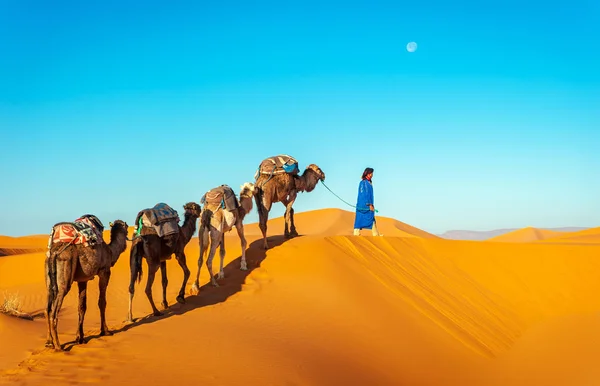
[411,47]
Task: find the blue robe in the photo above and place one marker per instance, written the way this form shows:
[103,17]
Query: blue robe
[364,216]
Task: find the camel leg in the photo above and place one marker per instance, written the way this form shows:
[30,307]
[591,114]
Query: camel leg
[263,207]
[82,308]
[293,231]
[240,231]
[203,240]
[214,243]
[135,265]
[186,275]
[286,218]
[54,318]
[64,277]
[152,268]
[165,281]
[289,218]
[48,311]
[103,285]
[221,274]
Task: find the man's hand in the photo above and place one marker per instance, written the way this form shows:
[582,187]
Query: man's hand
[372,207]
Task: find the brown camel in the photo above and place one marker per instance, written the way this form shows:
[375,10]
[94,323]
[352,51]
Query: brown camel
[215,222]
[68,262]
[283,187]
[157,250]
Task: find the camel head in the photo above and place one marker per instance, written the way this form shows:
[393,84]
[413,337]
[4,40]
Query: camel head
[247,190]
[192,208]
[118,226]
[317,170]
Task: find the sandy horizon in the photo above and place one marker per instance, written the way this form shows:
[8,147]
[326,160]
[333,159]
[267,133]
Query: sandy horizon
[328,308]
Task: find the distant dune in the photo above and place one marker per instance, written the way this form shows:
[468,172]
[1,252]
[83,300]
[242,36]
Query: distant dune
[526,235]
[591,236]
[485,235]
[21,245]
[328,308]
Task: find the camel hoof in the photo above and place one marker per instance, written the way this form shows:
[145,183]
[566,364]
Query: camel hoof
[294,234]
[180,299]
[220,275]
[164,305]
[49,344]
[106,333]
[214,283]
[80,340]
[194,290]
[243,267]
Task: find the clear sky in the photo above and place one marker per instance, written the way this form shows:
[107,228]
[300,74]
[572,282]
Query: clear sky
[109,107]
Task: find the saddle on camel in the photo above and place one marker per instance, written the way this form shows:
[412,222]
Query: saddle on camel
[278,164]
[160,220]
[86,230]
[223,195]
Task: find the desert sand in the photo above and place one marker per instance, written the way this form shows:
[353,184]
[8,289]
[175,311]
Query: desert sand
[329,308]
[525,235]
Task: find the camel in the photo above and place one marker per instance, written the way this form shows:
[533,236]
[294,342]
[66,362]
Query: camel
[283,187]
[157,250]
[215,222]
[68,262]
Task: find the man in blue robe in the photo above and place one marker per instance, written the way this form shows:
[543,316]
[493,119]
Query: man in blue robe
[365,209]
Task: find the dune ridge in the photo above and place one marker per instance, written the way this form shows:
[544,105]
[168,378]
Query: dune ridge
[328,308]
[591,236]
[525,235]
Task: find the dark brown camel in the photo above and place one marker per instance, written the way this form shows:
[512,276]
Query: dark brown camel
[67,263]
[283,188]
[157,250]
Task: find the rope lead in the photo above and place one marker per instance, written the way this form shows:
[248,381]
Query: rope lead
[341,199]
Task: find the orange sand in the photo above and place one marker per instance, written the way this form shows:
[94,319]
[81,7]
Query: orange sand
[526,235]
[327,308]
[586,236]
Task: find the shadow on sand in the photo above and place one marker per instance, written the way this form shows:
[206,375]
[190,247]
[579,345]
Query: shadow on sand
[209,295]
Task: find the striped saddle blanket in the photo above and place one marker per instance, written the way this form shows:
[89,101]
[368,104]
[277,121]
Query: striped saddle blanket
[278,164]
[86,230]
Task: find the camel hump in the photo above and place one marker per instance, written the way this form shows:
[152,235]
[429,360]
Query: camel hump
[223,195]
[282,163]
[86,230]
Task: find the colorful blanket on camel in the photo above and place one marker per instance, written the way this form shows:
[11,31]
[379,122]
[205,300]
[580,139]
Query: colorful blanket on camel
[86,230]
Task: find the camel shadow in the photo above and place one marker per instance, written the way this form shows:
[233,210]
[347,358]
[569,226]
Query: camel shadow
[209,295]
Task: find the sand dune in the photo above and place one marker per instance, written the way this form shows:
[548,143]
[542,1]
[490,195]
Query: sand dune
[337,222]
[484,235]
[331,309]
[591,236]
[21,245]
[526,235]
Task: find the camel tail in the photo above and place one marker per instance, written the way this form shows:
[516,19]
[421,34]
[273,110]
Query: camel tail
[258,198]
[203,231]
[135,261]
[52,275]
[52,280]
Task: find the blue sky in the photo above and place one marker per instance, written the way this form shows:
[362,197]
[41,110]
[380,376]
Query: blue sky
[110,107]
